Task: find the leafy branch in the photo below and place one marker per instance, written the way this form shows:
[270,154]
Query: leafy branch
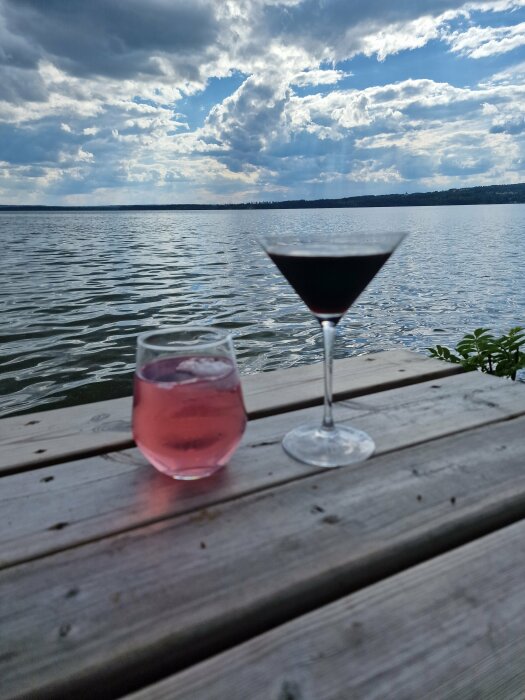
[483,351]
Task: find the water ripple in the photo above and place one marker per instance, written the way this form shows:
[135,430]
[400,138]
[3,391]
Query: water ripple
[77,287]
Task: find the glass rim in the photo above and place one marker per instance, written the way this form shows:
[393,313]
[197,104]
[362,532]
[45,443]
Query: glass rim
[289,240]
[336,234]
[222,336]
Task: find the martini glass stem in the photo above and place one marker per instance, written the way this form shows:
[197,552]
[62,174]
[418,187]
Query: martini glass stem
[328,341]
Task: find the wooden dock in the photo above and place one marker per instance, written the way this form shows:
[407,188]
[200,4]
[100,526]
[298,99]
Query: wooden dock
[401,577]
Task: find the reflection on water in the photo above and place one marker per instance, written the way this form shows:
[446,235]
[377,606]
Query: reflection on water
[77,287]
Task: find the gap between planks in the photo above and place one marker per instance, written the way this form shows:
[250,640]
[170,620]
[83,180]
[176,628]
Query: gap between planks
[59,435]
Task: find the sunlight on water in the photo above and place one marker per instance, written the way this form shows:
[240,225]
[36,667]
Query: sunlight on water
[77,287]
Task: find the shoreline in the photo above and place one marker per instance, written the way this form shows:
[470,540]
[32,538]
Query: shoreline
[489,194]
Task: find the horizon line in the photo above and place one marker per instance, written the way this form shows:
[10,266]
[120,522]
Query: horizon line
[453,196]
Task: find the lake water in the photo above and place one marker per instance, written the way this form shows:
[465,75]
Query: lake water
[77,287]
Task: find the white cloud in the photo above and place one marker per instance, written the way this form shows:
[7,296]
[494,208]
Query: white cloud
[373,171]
[480,42]
[318,77]
[386,106]
[84,156]
[251,118]
[404,36]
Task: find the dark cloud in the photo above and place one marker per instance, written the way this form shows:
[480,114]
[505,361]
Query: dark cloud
[15,50]
[114,38]
[18,85]
[339,23]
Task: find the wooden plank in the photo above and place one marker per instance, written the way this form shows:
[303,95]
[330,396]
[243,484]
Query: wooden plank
[113,615]
[451,628]
[72,503]
[62,434]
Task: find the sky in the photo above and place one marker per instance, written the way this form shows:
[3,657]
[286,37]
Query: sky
[214,101]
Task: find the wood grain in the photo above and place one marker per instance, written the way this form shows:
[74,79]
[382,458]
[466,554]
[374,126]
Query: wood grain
[113,615]
[68,504]
[62,434]
[449,629]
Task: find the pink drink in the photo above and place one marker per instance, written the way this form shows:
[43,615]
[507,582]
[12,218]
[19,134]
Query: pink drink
[188,414]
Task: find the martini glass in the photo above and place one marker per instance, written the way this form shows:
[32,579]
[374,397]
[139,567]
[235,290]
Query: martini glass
[329,272]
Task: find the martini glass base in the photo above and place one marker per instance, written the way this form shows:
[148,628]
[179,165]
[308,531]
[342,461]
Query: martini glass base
[328,447]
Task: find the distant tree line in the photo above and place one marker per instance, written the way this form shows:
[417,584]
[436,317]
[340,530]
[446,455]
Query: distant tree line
[490,194]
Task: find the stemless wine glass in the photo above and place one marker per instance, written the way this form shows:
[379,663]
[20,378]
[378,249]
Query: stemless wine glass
[188,410]
[329,271]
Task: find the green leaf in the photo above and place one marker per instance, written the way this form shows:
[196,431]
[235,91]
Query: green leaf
[483,351]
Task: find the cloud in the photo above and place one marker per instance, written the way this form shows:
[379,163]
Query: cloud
[481,42]
[118,100]
[318,77]
[251,118]
[114,38]
[514,125]
[402,36]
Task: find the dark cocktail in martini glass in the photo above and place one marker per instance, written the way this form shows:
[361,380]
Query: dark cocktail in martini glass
[329,272]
